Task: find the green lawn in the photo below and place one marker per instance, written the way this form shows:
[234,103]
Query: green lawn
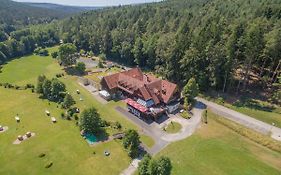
[173,127]
[148,141]
[25,69]
[61,142]
[215,149]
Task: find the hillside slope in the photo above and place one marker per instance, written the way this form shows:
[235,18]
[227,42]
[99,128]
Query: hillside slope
[20,14]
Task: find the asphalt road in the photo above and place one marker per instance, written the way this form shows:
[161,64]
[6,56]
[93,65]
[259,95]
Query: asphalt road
[161,138]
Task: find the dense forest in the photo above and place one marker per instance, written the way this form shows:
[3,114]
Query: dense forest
[223,43]
[226,45]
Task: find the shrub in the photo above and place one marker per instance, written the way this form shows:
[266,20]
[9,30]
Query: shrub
[185,115]
[102,57]
[100,64]
[105,123]
[68,101]
[54,54]
[62,115]
[220,101]
[117,125]
[27,86]
[204,117]
[71,111]
[16,87]
[80,67]
[76,117]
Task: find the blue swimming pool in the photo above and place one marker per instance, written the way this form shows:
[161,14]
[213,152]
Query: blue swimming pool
[91,139]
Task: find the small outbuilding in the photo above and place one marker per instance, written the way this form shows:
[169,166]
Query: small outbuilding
[104,94]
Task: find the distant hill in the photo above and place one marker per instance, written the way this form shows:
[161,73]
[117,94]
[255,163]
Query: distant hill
[17,15]
[63,8]
[21,14]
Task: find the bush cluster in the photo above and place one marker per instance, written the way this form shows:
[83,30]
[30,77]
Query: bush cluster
[59,75]
[17,87]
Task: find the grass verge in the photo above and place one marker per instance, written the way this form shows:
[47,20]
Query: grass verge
[148,141]
[214,149]
[250,134]
[173,127]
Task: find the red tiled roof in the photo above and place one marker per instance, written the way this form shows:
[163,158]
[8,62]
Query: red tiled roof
[111,80]
[168,89]
[136,105]
[145,93]
[147,86]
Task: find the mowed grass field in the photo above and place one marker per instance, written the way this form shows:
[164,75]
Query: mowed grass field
[26,69]
[61,142]
[216,150]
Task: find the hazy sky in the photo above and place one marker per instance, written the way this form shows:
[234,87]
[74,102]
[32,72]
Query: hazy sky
[91,2]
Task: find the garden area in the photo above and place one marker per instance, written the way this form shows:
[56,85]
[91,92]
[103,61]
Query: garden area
[173,127]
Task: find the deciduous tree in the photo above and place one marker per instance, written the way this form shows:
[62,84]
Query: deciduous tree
[131,142]
[190,91]
[90,121]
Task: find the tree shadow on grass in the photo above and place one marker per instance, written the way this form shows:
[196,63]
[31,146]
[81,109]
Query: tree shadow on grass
[73,71]
[252,104]
[102,135]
